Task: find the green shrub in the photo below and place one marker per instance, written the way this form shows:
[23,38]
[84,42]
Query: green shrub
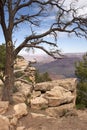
[81,73]
[80,106]
[81,94]
[19,74]
[42,77]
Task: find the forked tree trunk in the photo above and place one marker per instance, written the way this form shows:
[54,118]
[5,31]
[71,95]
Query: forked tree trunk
[9,73]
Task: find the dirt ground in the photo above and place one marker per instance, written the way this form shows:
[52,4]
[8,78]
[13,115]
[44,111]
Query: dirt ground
[78,122]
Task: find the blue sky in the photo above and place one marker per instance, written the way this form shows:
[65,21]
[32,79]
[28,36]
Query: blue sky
[72,44]
[67,44]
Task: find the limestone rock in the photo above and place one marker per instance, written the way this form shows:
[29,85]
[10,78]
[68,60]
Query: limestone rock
[24,88]
[18,98]
[59,111]
[39,103]
[3,106]
[20,128]
[4,123]
[36,94]
[35,115]
[58,96]
[20,110]
[20,63]
[45,86]
[32,68]
[68,83]
[13,121]
[57,91]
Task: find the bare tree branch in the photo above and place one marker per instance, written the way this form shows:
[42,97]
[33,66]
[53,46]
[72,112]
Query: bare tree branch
[55,54]
[28,18]
[73,24]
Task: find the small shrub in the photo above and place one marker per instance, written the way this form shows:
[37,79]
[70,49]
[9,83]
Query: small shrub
[80,106]
[81,100]
[19,74]
[81,73]
[42,77]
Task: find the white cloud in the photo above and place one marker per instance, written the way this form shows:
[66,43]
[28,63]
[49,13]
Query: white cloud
[81,5]
[77,3]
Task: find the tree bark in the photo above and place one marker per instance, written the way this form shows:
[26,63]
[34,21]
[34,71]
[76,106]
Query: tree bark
[9,73]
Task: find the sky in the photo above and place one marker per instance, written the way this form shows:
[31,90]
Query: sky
[67,44]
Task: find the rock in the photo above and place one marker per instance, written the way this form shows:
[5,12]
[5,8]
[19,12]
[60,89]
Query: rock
[58,96]
[43,87]
[31,128]
[4,123]
[68,83]
[39,103]
[32,68]
[21,63]
[13,121]
[59,111]
[38,115]
[20,110]
[36,94]
[18,98]
[24,88]
[35,115]
[57,91]
[20,128]
[3,106]
[55,102]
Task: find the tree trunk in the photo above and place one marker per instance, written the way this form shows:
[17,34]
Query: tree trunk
[9,73]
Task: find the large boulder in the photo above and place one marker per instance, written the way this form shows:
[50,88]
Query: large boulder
[68,83]
[39,103]
[43,87]
[20,110]
[3,106]
[58,96]
[4,123]
[59,111]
